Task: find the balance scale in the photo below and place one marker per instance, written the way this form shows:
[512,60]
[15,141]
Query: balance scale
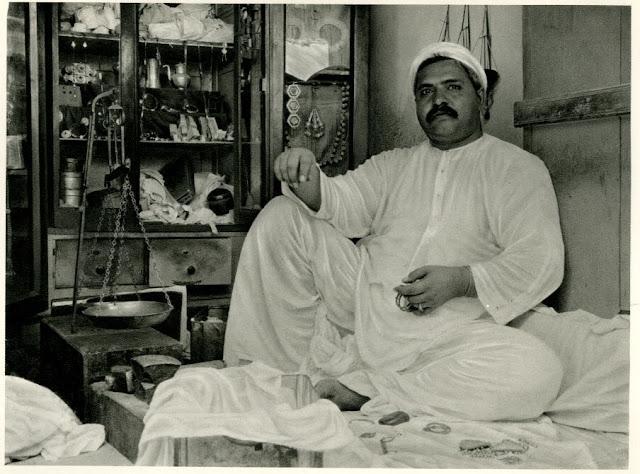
[107,311]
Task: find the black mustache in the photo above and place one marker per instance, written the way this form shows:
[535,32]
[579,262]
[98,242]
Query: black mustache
[441,109]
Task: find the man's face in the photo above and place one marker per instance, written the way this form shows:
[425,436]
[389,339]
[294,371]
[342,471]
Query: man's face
[447,104]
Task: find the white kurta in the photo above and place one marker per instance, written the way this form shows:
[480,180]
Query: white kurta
[489,204]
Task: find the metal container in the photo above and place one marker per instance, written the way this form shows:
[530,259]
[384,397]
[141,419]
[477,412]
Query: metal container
[71,180]
[152,73]
[72,197]
[71,164]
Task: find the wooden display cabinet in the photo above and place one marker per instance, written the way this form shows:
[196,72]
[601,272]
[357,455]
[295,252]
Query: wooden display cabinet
[170,88]
[171,91]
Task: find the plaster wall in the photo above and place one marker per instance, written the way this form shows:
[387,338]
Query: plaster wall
[398,32]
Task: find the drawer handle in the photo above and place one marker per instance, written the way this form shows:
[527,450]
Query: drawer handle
[191,270]
[100,270]
[187,282]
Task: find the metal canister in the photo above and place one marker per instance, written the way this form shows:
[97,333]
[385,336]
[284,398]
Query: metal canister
[71,164]
[71,180]
[71,188]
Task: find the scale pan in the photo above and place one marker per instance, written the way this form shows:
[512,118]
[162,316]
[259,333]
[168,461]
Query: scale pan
[127,314]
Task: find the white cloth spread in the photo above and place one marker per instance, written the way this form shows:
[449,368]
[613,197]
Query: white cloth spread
[537,444]
[247,403]
[38,422]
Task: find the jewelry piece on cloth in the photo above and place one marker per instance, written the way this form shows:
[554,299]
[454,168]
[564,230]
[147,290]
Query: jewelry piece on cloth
[394,418]
[438,428]
[384,443]
[293,106]
[420,308]
[506,450]
[365,420]
[507,446]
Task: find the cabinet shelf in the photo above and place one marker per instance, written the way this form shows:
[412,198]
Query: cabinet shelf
[171,142]
[103,45]
[84,36]
[17,172]
[166,42]
[82,140]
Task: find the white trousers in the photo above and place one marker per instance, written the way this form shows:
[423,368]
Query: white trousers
[291,263]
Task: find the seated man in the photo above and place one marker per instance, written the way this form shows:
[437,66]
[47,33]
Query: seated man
[458,235]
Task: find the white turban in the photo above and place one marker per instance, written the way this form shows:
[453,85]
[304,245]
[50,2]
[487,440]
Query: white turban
[448,50]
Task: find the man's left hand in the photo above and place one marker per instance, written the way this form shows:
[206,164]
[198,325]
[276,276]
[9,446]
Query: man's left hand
[432,285]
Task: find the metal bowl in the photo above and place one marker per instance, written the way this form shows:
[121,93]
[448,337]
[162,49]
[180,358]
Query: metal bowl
[127,314]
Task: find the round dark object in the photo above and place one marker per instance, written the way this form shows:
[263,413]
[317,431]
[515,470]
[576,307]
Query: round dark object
[220,201]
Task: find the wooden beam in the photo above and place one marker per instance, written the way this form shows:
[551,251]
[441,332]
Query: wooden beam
[585,105]
[360,86]
[274,113]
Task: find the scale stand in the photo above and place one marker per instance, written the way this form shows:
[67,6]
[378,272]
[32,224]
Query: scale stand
[114,314]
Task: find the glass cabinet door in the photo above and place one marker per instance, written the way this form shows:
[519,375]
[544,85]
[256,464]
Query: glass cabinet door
[200,69]
[86,63]
[186,90]
[318,82]
[23,231]
[250,110]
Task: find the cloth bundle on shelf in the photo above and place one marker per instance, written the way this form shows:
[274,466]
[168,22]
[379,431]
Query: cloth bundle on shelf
[98,18]
[186,22]
[159,205]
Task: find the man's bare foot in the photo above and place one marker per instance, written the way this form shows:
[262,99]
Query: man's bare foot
[346,399]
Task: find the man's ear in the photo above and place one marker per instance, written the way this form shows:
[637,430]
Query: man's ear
[482,94]
[487,103]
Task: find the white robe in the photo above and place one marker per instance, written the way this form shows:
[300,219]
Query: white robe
[488,204]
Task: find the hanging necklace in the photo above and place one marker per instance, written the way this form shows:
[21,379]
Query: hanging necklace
[338,149]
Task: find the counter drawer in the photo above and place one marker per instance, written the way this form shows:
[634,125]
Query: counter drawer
[190,261]
[94,262]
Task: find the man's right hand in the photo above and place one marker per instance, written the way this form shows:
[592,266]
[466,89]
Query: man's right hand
[297,167]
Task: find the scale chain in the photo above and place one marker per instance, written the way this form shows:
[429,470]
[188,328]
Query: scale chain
[128,187]
[112,251]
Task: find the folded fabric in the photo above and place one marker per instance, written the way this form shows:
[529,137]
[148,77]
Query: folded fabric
[594,352]
[37,422]
[246,403]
